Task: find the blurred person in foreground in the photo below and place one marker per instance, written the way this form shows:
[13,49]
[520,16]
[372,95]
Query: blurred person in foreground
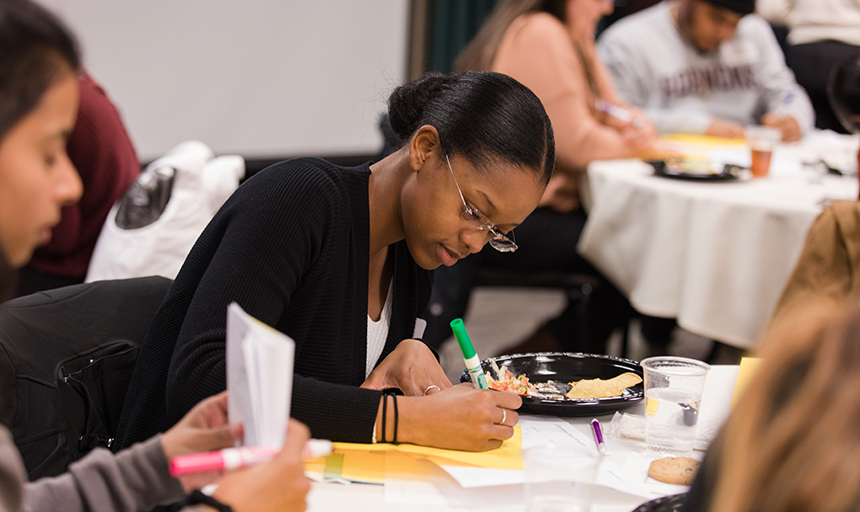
[548,45]
[39,64]
[705,67]
[792,442]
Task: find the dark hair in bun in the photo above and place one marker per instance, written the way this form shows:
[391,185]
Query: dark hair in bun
[35,49]
[485,117]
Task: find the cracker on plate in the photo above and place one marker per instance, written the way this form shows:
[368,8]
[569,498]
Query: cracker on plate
[599,388]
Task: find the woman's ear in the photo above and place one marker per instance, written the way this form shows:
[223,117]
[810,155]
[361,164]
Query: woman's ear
[423,143]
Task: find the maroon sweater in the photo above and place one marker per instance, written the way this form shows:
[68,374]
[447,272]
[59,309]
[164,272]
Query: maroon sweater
[104,156]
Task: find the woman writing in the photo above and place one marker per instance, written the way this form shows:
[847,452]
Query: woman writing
[38,103]
[340,258]
[548,45]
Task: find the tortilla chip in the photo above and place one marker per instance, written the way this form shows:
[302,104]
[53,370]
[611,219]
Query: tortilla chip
[599,388]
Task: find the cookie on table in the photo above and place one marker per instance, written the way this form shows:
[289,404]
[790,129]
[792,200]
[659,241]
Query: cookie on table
[674,470]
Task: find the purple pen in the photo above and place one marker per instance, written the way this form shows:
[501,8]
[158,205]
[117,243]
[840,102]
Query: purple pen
[598,436]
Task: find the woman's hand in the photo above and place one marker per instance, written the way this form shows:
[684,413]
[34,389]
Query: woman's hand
[639,133]
[411,368]
[459,418]
[203,429]
[278,485]
[636,130]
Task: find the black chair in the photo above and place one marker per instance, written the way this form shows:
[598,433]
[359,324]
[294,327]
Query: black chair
[66,358]
[577,287]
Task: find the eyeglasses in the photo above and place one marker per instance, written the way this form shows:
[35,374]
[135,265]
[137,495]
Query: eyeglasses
[477,220]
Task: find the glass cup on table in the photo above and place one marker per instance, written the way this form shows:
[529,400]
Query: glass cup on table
[762,140]
[559,478]
[673,391]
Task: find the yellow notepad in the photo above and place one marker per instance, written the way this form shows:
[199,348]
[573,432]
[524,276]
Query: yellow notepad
[749,365]
[364,466]
[506,456]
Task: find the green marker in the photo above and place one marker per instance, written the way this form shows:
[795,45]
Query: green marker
[473,363]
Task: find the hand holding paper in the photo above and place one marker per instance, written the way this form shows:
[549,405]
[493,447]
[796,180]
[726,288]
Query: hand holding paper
[204,428]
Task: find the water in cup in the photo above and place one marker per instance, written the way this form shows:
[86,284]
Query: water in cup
[673,413]
[673,390]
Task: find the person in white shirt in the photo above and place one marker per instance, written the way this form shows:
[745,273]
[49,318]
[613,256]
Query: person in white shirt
[821,35]
[706,67]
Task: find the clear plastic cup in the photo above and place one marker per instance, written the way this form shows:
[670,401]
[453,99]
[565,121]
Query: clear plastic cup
[559,479]
[762,140]
[673,391]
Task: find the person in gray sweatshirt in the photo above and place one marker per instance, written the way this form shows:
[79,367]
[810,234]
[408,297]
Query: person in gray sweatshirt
[705,67]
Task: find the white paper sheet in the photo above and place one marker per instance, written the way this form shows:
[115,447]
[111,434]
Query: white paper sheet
[259,378]
[540,430]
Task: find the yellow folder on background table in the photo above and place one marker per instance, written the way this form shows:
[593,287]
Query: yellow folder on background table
[701,140]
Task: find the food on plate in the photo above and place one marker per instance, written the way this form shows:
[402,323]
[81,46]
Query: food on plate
[507,382]
[690,165]
[599,388]
[674,470]
[585,388]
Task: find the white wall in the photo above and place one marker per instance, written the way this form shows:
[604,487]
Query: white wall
[262,78]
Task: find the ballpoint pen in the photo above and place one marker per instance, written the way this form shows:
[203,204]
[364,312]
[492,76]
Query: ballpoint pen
[234,458]
[473,362]
[622,114]
[598,436]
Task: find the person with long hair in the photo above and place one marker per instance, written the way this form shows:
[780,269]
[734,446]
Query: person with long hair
[549,46]
[341,259]
[39,64]
[792,442]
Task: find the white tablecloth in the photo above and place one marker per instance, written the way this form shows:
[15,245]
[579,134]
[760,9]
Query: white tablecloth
[424,496]
[713,255]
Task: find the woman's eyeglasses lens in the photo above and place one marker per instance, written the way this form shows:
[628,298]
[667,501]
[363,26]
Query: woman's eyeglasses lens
[499,241]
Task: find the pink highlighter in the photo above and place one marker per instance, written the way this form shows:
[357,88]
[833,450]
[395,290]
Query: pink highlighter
[234,458]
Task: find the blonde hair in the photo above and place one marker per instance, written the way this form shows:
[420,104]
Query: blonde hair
[793,442]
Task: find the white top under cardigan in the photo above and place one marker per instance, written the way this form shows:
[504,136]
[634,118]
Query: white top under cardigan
[377,332]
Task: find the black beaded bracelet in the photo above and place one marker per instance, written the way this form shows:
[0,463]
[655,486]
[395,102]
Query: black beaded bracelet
[384,411]
[199,498]
[396,419]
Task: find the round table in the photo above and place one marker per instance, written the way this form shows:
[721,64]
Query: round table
[714,255]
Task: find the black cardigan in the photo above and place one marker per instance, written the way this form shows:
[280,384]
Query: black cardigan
[291,246]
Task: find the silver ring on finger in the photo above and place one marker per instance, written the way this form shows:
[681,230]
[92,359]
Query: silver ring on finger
[504,417]
[431,386]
